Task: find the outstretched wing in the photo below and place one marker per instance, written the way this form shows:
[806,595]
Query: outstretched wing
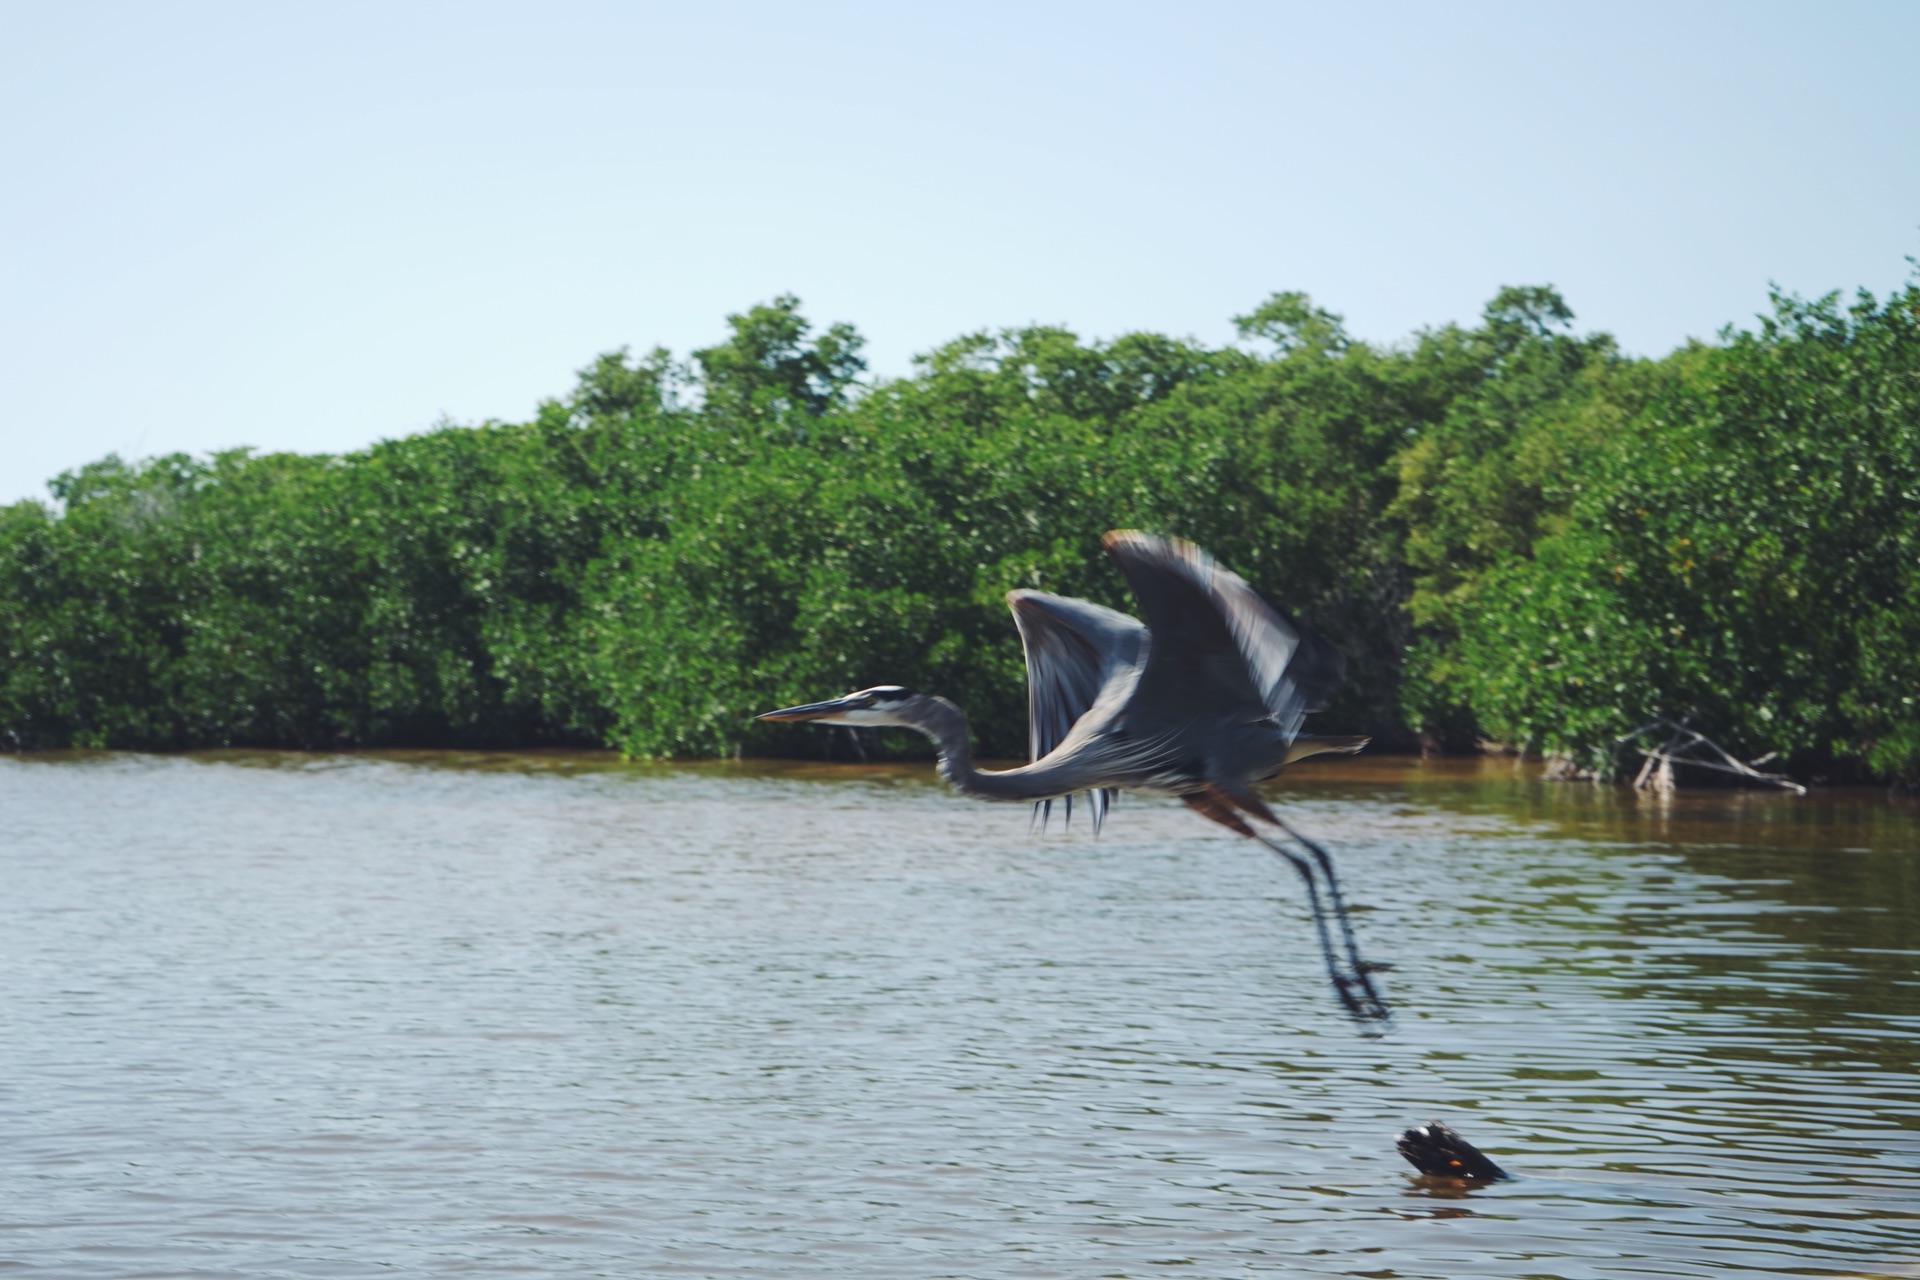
[1075,649]
[1218,648]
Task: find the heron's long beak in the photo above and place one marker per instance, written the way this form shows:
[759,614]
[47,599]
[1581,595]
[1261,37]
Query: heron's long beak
[812,711]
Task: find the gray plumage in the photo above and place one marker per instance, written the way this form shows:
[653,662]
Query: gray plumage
[1201,701]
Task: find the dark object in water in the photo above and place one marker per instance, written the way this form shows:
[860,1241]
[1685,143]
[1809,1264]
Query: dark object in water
[1439,1152]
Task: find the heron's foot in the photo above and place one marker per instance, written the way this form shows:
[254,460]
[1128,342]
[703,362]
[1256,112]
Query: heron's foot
[1362,1002]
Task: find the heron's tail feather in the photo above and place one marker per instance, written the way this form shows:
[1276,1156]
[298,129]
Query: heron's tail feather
[1310,744]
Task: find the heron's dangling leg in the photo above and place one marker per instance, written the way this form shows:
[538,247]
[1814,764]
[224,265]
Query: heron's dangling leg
[1325,859]
[1362,969]
[1215,805]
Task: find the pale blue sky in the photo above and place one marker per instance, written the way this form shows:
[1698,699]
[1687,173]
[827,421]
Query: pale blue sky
[313,226]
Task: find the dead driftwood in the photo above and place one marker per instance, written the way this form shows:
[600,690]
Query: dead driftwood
[1439,1152]
[1690,747]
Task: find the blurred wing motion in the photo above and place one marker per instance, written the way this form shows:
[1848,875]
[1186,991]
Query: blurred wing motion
[1217,646]
[1076,652]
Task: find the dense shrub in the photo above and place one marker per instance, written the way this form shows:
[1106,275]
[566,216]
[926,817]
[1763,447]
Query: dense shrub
[1509,529]
[1744,552]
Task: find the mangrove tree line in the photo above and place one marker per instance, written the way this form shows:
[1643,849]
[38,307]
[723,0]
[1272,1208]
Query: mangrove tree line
[1511,530]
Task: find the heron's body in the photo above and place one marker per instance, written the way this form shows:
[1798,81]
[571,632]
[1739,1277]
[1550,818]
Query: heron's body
[1201,701]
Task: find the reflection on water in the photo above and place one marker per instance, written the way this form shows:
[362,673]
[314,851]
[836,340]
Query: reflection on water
[278,1015]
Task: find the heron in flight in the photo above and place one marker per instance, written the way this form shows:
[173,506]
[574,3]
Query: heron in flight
[1200,702]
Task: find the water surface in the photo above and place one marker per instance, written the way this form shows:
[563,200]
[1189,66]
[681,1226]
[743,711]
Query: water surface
[281,1015]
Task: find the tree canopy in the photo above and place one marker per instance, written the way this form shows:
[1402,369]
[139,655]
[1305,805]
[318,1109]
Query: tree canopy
[1511,530]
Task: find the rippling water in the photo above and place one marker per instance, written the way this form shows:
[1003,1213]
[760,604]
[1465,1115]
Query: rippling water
[280,1015]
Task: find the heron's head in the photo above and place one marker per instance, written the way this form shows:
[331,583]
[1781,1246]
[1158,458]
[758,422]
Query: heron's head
[884,704]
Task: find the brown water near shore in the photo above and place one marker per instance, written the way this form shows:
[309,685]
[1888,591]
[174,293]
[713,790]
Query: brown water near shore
[274,1014]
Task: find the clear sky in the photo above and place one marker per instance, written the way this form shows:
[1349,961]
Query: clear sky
[311,226]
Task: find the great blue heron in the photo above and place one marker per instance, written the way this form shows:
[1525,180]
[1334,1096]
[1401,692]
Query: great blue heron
[1204,700]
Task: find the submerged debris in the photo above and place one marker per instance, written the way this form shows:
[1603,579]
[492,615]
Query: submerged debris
[1690,747]
[1437,1151]
[1564,768]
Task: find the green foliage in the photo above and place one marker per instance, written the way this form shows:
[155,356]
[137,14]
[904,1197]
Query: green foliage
[1744,553]
[1524,406]
[766,372]
[1509,530]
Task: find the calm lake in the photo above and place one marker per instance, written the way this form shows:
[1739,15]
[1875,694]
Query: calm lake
[268,1014]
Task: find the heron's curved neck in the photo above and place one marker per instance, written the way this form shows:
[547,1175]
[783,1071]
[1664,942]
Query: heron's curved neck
[946,724]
